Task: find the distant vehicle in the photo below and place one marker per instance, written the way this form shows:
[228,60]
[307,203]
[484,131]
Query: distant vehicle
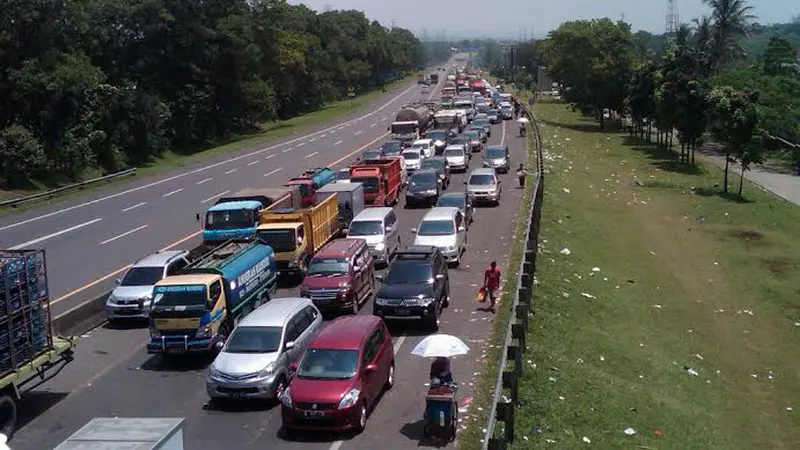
[475,140]
[440,140]
[425,145]
[377,226]
[481,132]
[309,181]
[494,116]
[506,111]
[496,157]
[441,166]
[484,125]
[413,158]
[133,296]
[484,186]
[254,363]
[457,157]
[416,285]
[345,369]
[392,148]
[459,200]
[424,188]
[373,154]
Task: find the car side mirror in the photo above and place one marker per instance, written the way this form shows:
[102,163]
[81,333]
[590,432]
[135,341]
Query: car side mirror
[371,367]
[197,217]
[219,345]
[414,230]
[356,268]
[289,345]
[118,281]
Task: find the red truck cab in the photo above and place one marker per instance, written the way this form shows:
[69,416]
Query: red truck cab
[381,179]
[309,181]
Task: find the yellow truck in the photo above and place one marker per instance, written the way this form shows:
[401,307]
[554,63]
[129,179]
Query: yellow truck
[297,234]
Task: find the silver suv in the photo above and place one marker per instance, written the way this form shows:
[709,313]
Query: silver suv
[132,297]
[484,186]
[261,354]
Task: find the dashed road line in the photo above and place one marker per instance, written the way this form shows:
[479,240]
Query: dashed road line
[337,143]
[373,125]
[120,236]
[231,171]
[300,144]
[204,181]
[311,154]
[169,194]
[323,135]
[134,206]
[290,149]
[215,196]
[357,132]
[52,235]
[253,163]
[312,139]
[269,157]
[271,172]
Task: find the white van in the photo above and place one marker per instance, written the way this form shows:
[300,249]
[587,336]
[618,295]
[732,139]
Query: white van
[377,226]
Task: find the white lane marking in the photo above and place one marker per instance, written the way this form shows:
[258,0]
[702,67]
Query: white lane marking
[253,163]
[52,235]
[299,145]
[291,148]
[371,126]
[311,154]
[336,445]
[270,156]
[204,181]
[199,169]
[169,194]
[120,236]
[312,139]
[503,136]
[323,135]
[273,171]
[134,206]
[215,196]
[337,143]
[357,132]
[231,171]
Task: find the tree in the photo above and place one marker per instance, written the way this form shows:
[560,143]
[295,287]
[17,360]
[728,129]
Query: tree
[641,94]
[729,21]
[733,120]
[21,155]
[778,56]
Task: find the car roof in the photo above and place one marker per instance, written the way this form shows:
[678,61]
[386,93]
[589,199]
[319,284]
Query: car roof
[455,147]
[339,247]
[346,333]
[159,259]
[435,159]
[424,172]
[428,250]
[461,195]
[440,213]
[499,147]
[276,312]
[482,171]
[412,150]
[422,141]
[373,213]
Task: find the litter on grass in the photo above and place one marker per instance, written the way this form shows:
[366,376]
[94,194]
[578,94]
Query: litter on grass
[565,252]
[587,440]
[629,431]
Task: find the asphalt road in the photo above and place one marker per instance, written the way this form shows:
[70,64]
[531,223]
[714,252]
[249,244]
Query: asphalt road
[114,376]
[91,239]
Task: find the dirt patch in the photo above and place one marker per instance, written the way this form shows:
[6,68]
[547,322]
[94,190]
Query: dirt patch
[778,266]
[746,235]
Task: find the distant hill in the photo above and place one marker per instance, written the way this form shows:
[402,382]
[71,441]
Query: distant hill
[757,42]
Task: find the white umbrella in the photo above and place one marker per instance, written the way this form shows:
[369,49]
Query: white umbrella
[440,345]
[523,120]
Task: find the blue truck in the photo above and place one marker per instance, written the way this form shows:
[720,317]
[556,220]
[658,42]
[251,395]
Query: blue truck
[236,216]
[196,310]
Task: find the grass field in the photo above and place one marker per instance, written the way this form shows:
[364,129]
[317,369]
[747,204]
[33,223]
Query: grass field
[675,312]
[270,131]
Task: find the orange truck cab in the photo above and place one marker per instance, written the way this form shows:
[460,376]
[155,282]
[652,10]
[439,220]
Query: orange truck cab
[381,179]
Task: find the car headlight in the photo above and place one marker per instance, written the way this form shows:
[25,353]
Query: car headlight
[380,246]
[204,332]
[214,373]
[286,397]
[425,301]
[267,371]
[450,248]
[292,264]
[430,191]
[349,399]
[381,301]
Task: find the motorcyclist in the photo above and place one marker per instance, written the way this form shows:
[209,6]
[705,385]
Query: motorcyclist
[440,371]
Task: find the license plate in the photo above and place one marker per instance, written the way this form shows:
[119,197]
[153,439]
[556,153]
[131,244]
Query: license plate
[174,350]
[237,395]
[315,414]
[403,311]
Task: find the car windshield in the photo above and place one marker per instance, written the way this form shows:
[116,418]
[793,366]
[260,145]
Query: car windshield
[254,340]
[181,295]
[369,184]
[372,154]
[142,276]
[438,135]
[229,219]
[460,140]
[365,228]
[436,228]
[451,200]
[472,135]
[343,175]
[479,123]
[392,146]
[492,112]
[327,266]
[404,128]
[435,164]
[408,272]
[410,155]
[453,152]
[279,240]
[481,180]
[423,179]
[329,364]
[495,153]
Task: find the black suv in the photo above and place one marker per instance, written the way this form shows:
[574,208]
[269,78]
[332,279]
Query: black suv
[416,285]
[424,188]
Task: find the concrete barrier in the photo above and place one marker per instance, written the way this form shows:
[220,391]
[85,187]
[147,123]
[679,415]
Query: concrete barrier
[81,318]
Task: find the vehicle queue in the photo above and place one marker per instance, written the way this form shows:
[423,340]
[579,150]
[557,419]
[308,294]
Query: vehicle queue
[220,297]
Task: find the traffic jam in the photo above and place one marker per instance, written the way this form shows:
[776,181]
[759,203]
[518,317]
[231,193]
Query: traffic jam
[335,235]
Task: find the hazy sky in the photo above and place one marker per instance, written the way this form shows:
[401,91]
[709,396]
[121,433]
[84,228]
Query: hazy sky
[509,17]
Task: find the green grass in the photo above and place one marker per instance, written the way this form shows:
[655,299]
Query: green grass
[687,279]
[172,159]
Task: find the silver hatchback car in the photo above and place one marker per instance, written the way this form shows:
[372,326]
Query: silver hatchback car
[260,355]
[132,297]
[484,186]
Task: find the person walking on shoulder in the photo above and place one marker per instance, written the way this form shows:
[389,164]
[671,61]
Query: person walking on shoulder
[491,282]
[521,174]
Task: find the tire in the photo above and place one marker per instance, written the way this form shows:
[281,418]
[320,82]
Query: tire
[362,422]
[8,416]
[390,378]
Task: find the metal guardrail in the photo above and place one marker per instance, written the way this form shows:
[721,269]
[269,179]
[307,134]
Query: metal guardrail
[17,201]
[510,371]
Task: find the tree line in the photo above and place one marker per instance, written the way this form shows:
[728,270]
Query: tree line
[102,84]
[702,86]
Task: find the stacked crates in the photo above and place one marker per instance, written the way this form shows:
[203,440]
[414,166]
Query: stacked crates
[24,308]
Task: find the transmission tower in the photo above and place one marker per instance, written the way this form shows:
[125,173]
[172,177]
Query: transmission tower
[671,20]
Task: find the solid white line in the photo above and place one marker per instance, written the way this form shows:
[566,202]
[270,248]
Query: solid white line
[336,445]
[503,136]
[311,154]
[337,143]
[204,181]
[273,171]
[198,170]
[215,196]
[134,206]
[376,123]
[357,132]
[172,193]
[270,156]
[123,235]
[231,171]
[57,233]
[291,148]
[253,163]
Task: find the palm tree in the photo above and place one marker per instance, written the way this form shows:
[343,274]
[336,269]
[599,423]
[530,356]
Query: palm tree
[703,34]
[730,19]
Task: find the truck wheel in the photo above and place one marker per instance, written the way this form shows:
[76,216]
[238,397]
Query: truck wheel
[8,416]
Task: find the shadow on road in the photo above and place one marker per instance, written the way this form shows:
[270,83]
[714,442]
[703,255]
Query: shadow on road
[36,403]
[178,363]
[415,431]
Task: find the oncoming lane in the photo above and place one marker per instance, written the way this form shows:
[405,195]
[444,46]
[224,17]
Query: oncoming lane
[142,385]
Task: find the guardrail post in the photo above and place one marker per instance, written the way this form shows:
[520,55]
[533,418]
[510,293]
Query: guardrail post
[497,444]
[505,412]
[518,333]
[515,353]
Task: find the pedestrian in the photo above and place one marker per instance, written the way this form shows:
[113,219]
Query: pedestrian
[491,282]
[521,175]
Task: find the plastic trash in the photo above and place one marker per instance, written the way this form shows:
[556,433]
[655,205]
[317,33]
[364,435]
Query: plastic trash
[565,252]
[629,431]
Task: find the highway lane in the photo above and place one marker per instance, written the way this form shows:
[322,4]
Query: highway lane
[115,377]
[98,241]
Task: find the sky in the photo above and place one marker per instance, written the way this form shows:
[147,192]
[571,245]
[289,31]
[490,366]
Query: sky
[513,18]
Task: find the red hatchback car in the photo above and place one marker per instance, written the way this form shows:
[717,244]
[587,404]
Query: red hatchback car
[345,368]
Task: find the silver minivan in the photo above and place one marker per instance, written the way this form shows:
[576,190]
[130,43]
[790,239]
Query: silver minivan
[443,227]
[260,355]
[377,226]
[132,297]
[484,186]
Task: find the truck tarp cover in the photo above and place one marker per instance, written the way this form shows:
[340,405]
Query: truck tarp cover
[264,196]
[419,114]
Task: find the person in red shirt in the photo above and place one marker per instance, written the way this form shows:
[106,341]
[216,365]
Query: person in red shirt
[491,282]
